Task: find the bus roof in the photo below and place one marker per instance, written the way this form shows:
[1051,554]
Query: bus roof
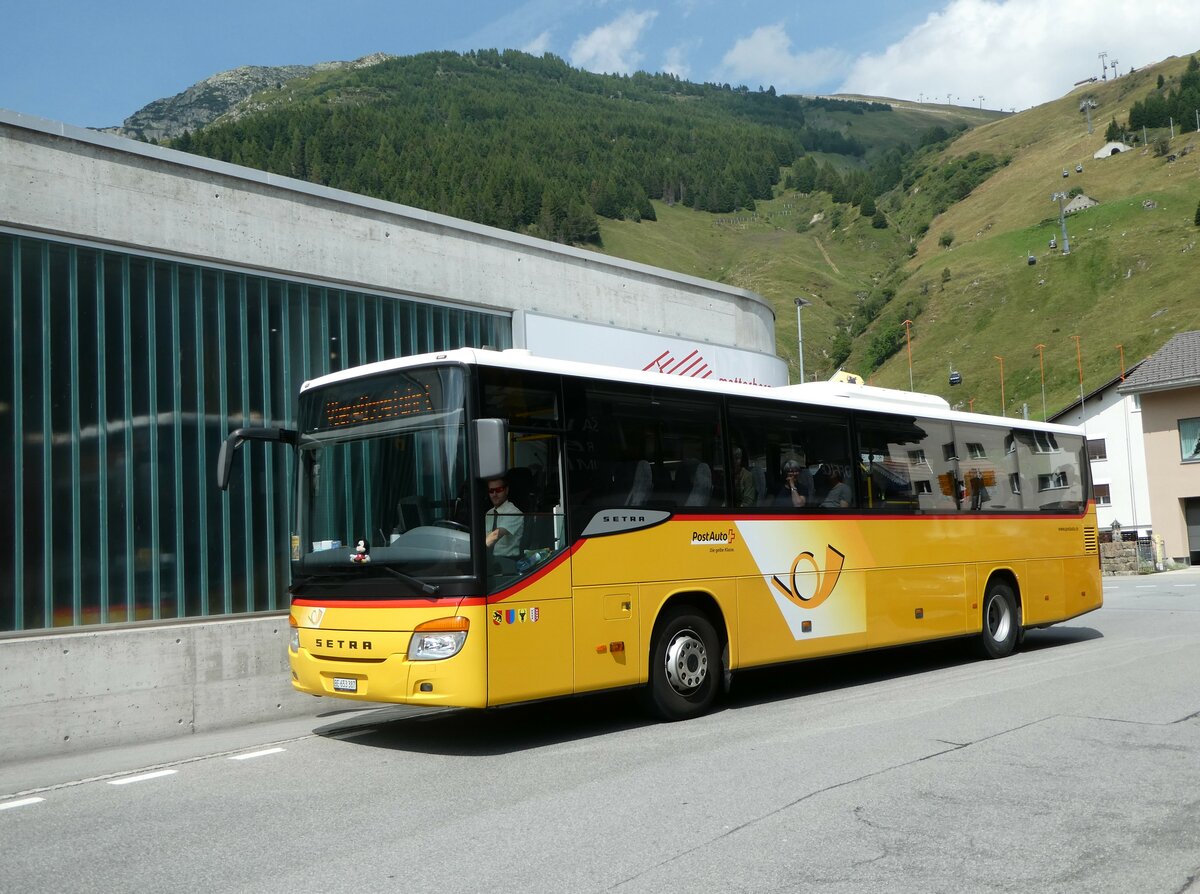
[843,394]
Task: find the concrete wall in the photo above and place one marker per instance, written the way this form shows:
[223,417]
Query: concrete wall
[100,687]
[1171,479]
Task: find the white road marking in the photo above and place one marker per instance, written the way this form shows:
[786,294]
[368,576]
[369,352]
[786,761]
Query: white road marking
[142,778]
[24,802]
[263,753]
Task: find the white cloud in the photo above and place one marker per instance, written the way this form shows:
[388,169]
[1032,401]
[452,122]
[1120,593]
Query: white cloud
[766,58]
[538,45]
[675,60]
[612,48]
[1019,53]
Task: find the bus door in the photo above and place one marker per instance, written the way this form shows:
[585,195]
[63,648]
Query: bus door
[529,578]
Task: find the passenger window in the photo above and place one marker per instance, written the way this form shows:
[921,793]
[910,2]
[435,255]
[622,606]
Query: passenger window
[642,448]
[908,464]
[797,460]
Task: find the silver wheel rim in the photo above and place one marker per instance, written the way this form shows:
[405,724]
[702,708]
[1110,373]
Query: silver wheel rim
[999,618]
[686,662]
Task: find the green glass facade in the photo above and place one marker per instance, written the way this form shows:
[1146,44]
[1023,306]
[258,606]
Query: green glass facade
[124,376]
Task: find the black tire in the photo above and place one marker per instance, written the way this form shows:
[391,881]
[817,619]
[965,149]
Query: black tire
[1001,622]
[685,665]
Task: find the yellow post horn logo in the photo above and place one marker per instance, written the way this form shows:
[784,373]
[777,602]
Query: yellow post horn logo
[825,579]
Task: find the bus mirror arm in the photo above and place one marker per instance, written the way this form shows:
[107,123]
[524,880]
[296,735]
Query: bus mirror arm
[230,445]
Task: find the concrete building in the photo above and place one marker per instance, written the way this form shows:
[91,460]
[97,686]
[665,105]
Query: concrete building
[1167,387]
[1079,203]
[1110,149]
[151,301]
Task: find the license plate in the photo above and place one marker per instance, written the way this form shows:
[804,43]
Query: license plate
[345,684]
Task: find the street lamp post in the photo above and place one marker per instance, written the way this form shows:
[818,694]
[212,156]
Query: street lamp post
[801,303]
[1079,364]
[1003,402]
[908,343]
[1042,369]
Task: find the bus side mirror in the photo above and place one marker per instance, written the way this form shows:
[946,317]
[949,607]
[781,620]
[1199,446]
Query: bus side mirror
[491,448]
[230,445]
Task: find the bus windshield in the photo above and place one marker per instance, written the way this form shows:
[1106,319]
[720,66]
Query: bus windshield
[383,482]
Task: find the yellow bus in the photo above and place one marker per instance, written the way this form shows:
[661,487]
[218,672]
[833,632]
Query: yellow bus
[655,531]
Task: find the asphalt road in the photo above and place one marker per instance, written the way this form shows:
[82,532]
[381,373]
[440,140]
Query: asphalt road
[1071,766]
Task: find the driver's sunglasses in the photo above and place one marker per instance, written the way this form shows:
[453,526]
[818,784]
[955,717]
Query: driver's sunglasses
[497,490]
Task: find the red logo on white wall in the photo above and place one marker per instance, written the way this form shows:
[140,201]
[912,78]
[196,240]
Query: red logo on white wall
[693,365]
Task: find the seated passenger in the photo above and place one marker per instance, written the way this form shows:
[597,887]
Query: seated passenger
[797,488]
[744,492]
[839,496]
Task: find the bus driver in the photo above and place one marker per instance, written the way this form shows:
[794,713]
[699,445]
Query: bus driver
[504,522]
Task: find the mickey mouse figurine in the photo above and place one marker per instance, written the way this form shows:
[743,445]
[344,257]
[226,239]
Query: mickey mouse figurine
[362,552]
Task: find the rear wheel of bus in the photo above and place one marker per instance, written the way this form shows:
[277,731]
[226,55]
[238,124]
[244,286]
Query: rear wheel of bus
[685,665]
[1001,621]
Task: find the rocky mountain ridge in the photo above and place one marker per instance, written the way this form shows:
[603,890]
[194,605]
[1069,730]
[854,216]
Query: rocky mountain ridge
[225,93]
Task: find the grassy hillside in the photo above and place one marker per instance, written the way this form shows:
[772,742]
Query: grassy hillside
[530,144]
[1127,280]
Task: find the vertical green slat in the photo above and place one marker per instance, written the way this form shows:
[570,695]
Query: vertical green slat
[76,511]
[201,439]
[248,491]
[177,419]
[268,455]
[222,384]
[151,298]
[343,338]
[365,523]
[102,435]
[286,371]
[18,527]
[306,372]
[379,345]
[47,448]
[130,465]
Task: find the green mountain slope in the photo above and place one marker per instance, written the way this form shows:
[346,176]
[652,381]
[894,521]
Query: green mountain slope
[701,179]
[1124,289]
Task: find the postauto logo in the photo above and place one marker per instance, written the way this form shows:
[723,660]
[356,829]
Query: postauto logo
[714,538]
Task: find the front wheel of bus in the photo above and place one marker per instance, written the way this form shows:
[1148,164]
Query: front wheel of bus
[1001,622]
[684,666]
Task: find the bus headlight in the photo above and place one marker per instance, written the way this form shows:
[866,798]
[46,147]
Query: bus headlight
[438,639]
[294,644]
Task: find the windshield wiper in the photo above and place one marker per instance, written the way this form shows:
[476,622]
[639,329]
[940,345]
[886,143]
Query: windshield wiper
[300,583]
[427,589]
[358,572]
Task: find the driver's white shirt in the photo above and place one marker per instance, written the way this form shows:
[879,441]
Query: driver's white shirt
[510,518]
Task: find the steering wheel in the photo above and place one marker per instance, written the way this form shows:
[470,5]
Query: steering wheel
[453,525]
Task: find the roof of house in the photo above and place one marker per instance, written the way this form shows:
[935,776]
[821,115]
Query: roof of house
[1175,365]
[1092,395]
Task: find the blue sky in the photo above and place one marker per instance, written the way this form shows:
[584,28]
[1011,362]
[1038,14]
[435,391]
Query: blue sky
[93,64]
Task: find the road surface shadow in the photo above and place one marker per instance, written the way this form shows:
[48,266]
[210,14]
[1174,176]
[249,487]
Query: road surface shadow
[464,732]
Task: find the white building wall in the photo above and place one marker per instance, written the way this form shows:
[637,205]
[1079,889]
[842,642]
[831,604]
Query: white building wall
[1117,419]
